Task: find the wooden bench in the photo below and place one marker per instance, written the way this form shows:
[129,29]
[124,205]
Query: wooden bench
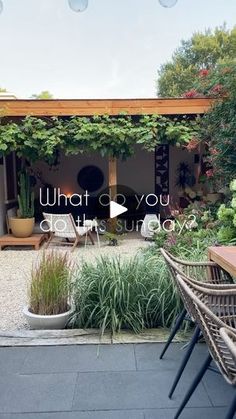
[35,240]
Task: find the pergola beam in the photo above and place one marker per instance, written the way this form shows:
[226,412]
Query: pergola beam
[59,107]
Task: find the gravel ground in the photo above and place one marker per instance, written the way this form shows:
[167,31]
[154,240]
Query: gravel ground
[15,266]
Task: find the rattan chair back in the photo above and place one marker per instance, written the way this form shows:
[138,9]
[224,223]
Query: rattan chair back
[212,309]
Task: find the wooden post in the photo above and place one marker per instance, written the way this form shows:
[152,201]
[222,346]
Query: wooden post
[112,189]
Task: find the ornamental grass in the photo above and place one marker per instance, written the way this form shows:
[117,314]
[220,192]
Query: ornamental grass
[49,288]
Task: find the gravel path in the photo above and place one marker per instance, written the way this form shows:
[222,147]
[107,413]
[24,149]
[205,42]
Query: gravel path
[15,267]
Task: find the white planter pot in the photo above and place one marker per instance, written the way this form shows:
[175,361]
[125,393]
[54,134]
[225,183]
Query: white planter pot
[37,321]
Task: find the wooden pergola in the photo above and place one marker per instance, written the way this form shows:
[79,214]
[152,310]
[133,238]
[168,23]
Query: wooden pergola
[88,107]
[67,107]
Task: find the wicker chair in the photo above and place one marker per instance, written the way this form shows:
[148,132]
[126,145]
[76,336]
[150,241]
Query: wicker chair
[205,272]
[229,338]
[212,309]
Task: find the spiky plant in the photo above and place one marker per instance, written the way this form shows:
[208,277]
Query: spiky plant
[116,294]
[25,196]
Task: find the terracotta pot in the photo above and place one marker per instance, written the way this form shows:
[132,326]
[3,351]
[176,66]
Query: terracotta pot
[22,227]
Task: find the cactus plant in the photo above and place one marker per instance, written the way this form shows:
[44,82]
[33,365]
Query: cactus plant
[25,196]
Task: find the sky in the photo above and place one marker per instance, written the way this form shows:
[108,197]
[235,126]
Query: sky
[112,50]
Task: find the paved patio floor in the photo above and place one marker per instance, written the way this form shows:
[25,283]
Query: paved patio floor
[104,382]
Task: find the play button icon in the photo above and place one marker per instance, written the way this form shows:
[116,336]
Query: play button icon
[116,209]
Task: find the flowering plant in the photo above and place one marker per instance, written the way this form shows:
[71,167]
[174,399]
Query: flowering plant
[227,217]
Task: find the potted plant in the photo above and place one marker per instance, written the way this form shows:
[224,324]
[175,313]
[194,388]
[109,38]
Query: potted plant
[113,239]
[49,292]
[23,225]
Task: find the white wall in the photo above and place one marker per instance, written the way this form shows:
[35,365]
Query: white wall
[137,172]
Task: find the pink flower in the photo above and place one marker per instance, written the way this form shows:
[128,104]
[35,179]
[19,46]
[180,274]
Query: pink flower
[217,89]
[214,151]
[204,73]
[191,93]
[210,173]
[193,144]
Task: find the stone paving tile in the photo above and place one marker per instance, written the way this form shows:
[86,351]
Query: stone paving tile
[83,358]
[117,414]
[218,390]
[36,393]
[51,388]
[11,359]
[188,413]
[131,390]
[147,356]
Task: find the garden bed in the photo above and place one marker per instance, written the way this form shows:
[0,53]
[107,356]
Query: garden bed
[16,266]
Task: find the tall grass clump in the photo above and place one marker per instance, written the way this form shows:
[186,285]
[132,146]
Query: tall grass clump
[117,294]
[50,284]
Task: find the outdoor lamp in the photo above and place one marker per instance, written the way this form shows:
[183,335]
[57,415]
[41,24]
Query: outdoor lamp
[78,5]
[168,3]
[81,5]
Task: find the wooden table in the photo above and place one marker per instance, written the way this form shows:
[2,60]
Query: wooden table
[225,257]
[35,240]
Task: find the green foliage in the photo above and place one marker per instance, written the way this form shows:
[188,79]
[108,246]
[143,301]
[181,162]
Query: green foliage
[192,245]
[192,240]
[227,218]
[219,81]
[25,197]
[43,139]
[50,284]
[130,294]
[45,94]
[113,239]
[202,51]
[32,138]
[218,127]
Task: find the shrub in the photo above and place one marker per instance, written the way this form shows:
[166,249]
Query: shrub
[227,218]
[49,287]
[130,294]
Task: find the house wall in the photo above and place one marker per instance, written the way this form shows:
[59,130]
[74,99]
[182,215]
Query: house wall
[137,172]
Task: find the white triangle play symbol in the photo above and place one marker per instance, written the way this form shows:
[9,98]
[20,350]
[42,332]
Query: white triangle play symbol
[116,209]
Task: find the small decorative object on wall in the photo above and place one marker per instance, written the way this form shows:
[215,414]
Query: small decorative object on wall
[90,178]
[162,170]
[184,176]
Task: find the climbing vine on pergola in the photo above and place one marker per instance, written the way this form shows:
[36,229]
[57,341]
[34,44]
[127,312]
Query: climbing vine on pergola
[45,138]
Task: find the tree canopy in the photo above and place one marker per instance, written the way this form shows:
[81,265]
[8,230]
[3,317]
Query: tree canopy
[45,94]
[218,126]
[204,51]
